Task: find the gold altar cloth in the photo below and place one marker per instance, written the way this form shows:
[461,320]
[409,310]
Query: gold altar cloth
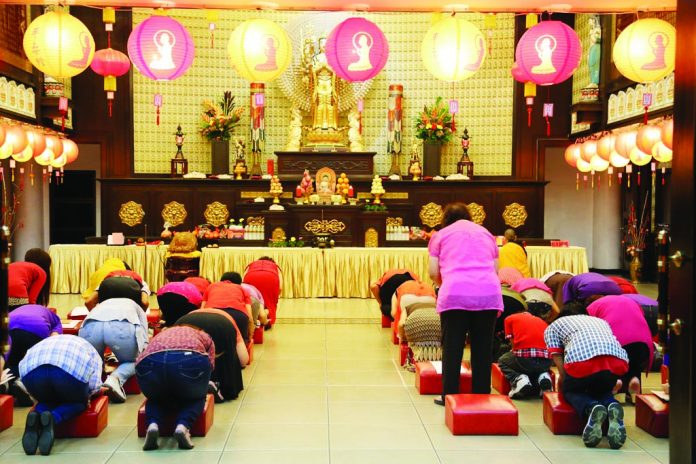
[307,272]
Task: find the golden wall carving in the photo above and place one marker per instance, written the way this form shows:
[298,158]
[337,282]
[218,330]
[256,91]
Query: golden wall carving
[478,214]
[216,213]
[278,235]
[488,94]
[131,213]
[431,214]
[255,221]
[174,213]
[252,195]
[384,196]
[395,221]
[515,215]
[371,238]
[325,226]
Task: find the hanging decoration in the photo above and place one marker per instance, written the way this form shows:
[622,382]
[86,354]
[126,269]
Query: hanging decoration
[15,142]
[111,64]
[357,50]
[572,154]
[645,52]
[667,131]
[605,145]
[257,129]
[36,144]
[58,44]
[161,49]
[647,137]
[213,16]
[490,23]
[70,151]
[453,49]
[260,50]
[588,150]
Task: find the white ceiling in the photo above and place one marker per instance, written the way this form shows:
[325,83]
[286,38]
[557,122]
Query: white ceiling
[609,6]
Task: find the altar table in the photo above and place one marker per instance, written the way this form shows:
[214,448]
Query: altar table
[343,272]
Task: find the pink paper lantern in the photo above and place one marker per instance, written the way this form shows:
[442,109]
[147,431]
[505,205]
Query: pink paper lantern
[517,73]
[161,48]
[357,50]
[548,53]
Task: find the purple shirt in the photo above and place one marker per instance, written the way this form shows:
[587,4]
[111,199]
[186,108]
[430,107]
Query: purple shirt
[641,299]
[583,286]
[626,319]
[35,319]
[466,254]
[254,293]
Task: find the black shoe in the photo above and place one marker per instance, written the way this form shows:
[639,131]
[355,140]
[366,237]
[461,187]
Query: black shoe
[439,401]
[30,439]
[47,436]
[267,327]
[20,394]
[214,389]
[151,438]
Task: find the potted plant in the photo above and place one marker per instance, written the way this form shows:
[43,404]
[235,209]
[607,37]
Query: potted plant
[434,126]
[218,122]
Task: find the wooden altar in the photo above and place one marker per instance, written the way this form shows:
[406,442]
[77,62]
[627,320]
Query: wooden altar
[358,165]
[405,200]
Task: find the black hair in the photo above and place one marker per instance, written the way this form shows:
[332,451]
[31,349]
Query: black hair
[128,268]
[573,308]
[233,277]
[455,212]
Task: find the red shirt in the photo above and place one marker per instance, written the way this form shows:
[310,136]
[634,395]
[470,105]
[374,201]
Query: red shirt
[25,280]
[392,272]
[586,368]
[226,295]
[526,331]
[182,338]
[125,273]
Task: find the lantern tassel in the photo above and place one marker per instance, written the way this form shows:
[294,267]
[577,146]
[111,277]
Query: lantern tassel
[31,174]
[577,181]
[662,172]
[529,116]
[110,108]
[638,178]
[548,127]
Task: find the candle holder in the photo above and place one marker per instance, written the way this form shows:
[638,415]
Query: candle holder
[465,166]
[179,164]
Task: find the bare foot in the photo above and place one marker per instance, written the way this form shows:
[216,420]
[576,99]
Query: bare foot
[617,387]
[634,386]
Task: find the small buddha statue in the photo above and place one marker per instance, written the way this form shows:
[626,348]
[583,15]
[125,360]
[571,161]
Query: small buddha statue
[324,99]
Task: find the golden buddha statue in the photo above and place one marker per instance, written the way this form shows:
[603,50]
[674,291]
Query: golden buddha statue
[324,99]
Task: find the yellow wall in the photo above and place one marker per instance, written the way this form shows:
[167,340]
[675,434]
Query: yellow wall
[485,100]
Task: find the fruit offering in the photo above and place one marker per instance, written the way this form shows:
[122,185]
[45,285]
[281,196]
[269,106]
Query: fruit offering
[343,187]
[276,188]
[377,188]
[306,184]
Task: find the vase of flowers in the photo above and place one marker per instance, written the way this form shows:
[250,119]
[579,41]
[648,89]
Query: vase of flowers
[218,122]
[634,241]
[434,126]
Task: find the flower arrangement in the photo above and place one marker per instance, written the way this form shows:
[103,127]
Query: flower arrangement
[292,242]
[435,123]
[219,119]
[635,231]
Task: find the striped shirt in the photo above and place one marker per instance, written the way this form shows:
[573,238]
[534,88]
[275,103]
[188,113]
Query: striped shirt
[581,338]
[72,354]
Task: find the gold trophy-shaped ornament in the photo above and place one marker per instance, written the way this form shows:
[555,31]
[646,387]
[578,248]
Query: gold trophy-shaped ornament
[276,189]
[377,189]
[240,167]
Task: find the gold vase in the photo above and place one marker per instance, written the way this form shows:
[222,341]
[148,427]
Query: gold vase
[635,268]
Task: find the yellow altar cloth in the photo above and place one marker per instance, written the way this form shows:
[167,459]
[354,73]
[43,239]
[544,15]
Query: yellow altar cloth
[71,265]
[307,272]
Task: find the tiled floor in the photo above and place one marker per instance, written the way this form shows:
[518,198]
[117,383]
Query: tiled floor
[325,387]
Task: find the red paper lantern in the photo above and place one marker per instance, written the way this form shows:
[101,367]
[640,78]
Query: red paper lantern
[667,128]
[17,137]
[2,135]
[110,63]
[70,151]
[625,142]
[357,50]
[161,48]
[588,150]
[572,154]
[605,146]
[548,53]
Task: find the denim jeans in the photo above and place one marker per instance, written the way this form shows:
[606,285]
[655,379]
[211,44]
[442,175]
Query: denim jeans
[120,337]
[174,381]
[512,367]
[583,393]
[57,391]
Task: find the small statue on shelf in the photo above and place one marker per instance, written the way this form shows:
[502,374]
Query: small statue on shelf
[465,166]
[179,164]
[377,189]
[414,166]
[240,167]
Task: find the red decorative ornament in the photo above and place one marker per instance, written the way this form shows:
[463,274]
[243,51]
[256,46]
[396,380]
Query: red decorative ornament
[572,154]
[357,50]
[111,64]
[548,53]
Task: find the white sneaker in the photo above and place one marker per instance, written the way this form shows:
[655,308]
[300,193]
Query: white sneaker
[183,437]
[114,390]
[523,387]
[545,383]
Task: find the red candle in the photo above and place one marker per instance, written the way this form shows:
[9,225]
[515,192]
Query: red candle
[351,192]
[298,191]
[269,167]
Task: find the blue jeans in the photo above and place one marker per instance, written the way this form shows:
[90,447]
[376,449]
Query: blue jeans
[57,391]
[174,381]
[120,337]
[583,393]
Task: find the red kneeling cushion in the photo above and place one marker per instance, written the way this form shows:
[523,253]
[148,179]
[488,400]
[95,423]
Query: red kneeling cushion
[429,382]
[131,386]
[258,335]
[199,429]
[394,334]
[250,350]
[480,414]
[6,409]
[559,415]
[652,415]
[664,374]
[404,351]
[624,285]
[89,424]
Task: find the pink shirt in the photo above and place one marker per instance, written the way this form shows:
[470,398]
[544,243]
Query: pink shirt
[466,252]
[626,319]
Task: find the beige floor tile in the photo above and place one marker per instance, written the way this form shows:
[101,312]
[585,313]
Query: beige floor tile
[368,436]
[662,456]
[492,457]
[443,439]
[11,437]
[125,413]
[430,413]
[361,365]
[547,441]
[276,457]
[373,413]
[371,394]
[278,437]
[107,442]
[277,364]
[365,377]
[529,411]
[357,354]
[58,458]
[646,441]
[306,412]
[600,456]
[226,413]
[290,377]
[213,441]
[284,394]
[381,456]
[168,457]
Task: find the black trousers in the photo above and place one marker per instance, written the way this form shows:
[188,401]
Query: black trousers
[638,357]
[456,325]
[22,340]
